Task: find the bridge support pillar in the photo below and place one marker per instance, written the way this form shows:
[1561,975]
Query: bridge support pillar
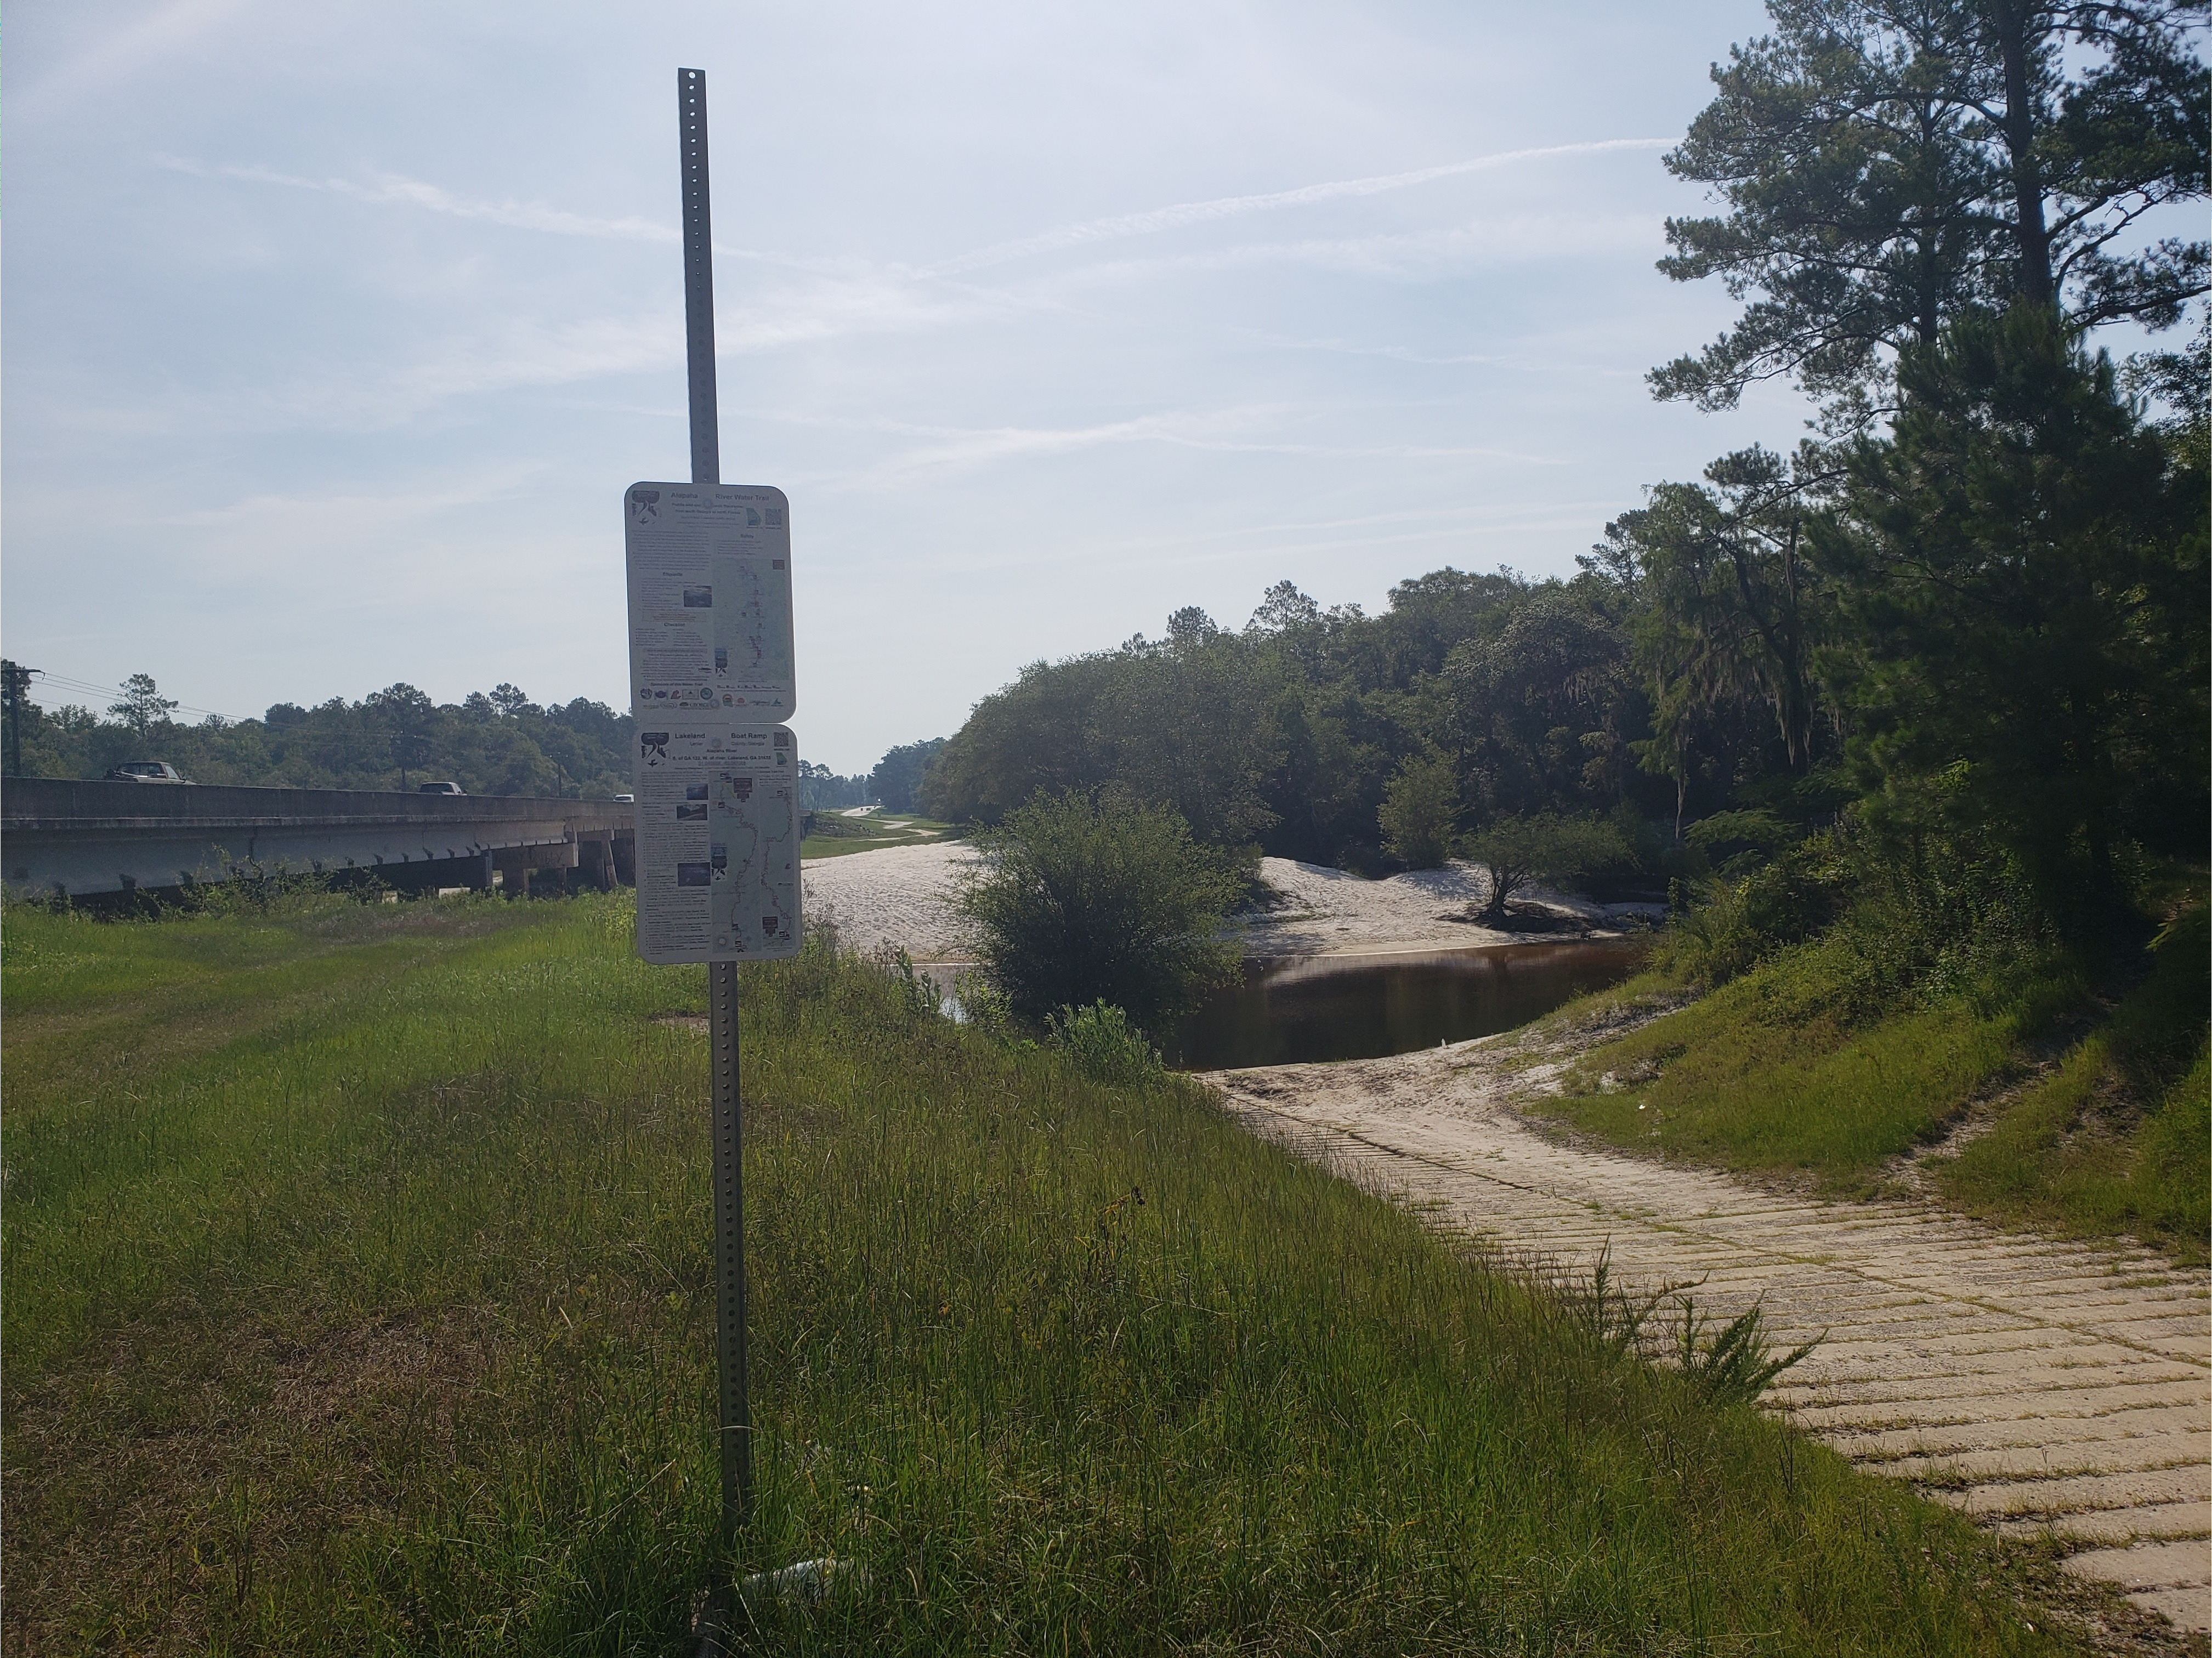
[595,859]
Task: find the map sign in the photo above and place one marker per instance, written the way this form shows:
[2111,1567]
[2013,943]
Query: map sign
[710,597]
[752,827]
[716,779]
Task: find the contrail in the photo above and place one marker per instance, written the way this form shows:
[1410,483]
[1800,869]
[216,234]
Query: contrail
[1230,207]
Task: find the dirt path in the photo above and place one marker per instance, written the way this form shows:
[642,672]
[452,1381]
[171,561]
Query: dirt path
[2038,1385]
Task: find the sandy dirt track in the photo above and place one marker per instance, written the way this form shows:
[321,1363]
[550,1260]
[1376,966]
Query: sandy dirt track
[900,896]
[2038,1385]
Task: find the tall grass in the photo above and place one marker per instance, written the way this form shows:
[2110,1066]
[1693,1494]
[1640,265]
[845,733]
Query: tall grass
[2116,1136]
[359,1298]
[1834,1055]
[1794,1066]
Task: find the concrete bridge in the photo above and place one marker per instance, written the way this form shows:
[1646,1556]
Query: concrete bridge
[83,839]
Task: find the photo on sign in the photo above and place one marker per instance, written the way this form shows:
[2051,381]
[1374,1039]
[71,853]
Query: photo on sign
[694,875]
[691,811]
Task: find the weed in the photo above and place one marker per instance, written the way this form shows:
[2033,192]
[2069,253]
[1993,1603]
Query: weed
[1732,1365]
[1101,1044]
[915,988]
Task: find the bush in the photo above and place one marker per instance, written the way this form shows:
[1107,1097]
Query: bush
[1103,1045]
[1735,924]
[1420,812]
[1074,901]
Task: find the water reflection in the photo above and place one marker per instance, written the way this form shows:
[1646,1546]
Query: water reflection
[1362,1007]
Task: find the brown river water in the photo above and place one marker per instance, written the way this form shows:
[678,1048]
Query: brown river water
[1364,1007]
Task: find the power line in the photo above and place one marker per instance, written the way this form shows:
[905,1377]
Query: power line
[87,688]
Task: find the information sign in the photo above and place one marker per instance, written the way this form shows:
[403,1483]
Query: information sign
[710,598]
[716,779]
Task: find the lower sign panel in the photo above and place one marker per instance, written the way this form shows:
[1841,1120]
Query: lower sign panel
[718,828]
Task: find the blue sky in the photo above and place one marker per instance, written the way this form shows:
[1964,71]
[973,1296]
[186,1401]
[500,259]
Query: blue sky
[334,332]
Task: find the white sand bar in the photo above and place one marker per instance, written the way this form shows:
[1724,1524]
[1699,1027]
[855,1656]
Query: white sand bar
[901,897]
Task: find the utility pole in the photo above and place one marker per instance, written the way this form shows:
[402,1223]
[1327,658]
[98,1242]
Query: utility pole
[16,682]
[735,1426]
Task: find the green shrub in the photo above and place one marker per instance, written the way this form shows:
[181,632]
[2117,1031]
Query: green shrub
[916,988]
[1073,902]
[983,1007]
[1103,1045]
[2174,1154]
[1950,918]
[1420,812]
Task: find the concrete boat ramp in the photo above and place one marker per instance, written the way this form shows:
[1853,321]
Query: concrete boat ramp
[2040,1386]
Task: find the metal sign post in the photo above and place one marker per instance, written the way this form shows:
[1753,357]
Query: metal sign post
[716,775]
[734,1408]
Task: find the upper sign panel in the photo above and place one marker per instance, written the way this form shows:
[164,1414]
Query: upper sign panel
[709,599]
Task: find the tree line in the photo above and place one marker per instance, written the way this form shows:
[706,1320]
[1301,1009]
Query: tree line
[1992,615]
[495,741]
[1966,617]
[498,741]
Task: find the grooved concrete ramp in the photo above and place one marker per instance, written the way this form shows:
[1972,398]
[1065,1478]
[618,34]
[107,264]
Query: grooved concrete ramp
[2038,1385]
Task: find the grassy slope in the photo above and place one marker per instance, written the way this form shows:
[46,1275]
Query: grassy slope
[1789,1068]
[359,1298]
[2117,1138]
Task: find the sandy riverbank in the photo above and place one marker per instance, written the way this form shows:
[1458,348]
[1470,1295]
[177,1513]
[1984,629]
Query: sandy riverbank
[902,898]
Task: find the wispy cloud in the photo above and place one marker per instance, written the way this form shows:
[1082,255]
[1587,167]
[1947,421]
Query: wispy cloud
[1230,207]
[1417,254]
[396,190]
[1385,254]
[1549,361]
[1396,353]
[1226,431]
[1260,546]
[393,190]
[298,520]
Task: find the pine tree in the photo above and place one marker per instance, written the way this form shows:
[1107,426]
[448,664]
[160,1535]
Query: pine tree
[1888,164]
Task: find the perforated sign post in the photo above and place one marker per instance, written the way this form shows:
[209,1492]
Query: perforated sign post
[716,769]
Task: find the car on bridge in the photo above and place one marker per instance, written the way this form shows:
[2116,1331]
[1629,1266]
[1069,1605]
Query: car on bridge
[440,788]
[146,771]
